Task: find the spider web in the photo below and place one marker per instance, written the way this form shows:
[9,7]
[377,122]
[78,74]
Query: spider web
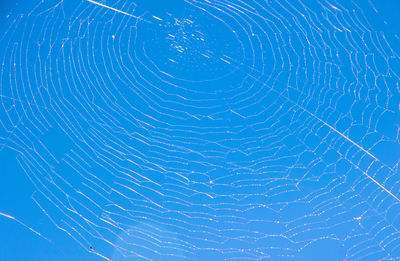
[228,130]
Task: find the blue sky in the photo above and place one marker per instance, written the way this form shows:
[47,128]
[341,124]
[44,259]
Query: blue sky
[199,130]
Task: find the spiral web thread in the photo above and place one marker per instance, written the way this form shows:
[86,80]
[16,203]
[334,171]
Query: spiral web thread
[286,137]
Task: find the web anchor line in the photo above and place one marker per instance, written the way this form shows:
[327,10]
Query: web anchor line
[118,11]
[24,225]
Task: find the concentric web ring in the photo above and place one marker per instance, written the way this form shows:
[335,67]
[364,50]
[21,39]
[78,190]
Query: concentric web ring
[243,130]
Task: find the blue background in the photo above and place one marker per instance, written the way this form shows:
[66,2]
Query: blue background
[16,190]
